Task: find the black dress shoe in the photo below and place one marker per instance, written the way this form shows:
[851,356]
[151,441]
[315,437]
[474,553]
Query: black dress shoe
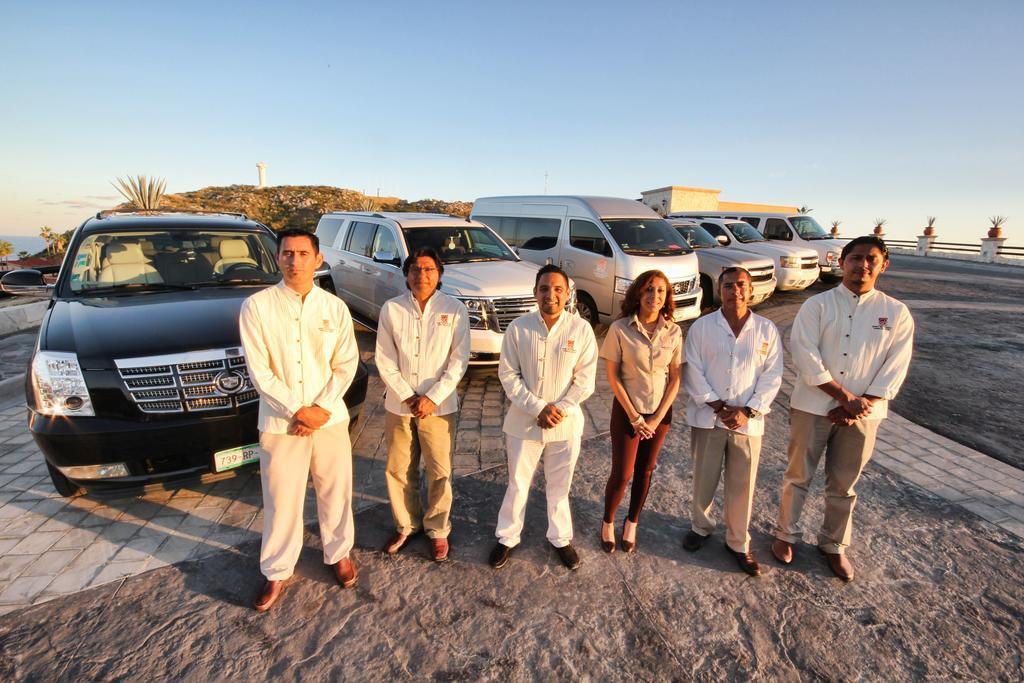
[499,556]
[568,556]
[693,541]
[746,562]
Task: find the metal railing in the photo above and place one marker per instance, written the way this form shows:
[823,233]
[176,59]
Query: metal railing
[955,246]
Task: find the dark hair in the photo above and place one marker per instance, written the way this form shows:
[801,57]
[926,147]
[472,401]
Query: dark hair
[734,269]
[872,240]
[550,268]
[425,252]
[631,301]
[298,232]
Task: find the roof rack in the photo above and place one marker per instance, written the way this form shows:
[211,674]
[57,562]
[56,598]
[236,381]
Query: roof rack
[100,215]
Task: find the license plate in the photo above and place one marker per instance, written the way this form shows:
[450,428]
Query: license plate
[235,457]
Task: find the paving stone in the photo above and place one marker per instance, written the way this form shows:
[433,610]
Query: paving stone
[96,554]
[76,538]
[11,566]
[22,590]
[51,563]
[118,570]
[36,543]
[71,581]
[1014,526]
[986,512]
[138,549]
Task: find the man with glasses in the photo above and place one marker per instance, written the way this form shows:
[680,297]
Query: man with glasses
[422,353]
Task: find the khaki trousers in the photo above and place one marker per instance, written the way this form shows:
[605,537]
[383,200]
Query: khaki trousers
[285,465]
[408,438]
[847,450]
[559,464]
[713,450]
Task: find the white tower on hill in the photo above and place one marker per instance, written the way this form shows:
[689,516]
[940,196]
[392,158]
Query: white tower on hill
[262,168]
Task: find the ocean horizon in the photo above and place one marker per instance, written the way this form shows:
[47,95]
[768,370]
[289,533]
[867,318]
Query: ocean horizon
[27,243]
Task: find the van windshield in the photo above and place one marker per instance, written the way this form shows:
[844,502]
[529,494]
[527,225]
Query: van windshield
[808,228]
[697,237]
[646,236]
[157,260]
[459,244]
[745,232]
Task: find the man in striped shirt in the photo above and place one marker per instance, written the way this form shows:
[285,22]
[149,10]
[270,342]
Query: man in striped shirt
[547,366]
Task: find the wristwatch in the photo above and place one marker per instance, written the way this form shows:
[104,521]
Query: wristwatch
[751,412]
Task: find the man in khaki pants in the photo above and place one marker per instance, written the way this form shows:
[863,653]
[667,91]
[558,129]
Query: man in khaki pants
[733,372]
[851,347]
[302,356]
[422,353]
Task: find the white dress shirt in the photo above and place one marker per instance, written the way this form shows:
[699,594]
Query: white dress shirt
[862,341]
[539,366]
[742,370]
[422,352]
[299,353]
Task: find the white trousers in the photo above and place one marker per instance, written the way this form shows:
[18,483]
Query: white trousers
[285,466]
[559,464]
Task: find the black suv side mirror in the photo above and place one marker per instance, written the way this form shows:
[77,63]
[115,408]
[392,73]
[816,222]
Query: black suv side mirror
[25,282]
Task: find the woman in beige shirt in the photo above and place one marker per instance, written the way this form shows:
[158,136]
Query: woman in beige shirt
[643,352]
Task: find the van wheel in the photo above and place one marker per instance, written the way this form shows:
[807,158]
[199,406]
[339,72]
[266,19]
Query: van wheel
[708,293]
[62,484]
[586,308]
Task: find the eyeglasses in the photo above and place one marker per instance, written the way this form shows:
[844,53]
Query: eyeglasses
[417,269]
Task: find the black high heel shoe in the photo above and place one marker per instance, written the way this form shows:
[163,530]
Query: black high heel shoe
[607,546]
[627,546]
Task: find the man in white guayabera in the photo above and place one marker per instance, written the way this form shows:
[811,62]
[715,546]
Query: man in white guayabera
[547,366]
[302,356]
[851,347]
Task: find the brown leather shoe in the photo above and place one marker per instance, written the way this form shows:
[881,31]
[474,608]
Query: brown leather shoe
[782,550]
[396,543]
[268,596]
[345,572]
[840,565]
[746,562]
[440,547]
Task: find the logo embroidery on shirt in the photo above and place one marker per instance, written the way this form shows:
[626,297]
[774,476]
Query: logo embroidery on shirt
[883,324]
[326,327]
[443,320]
[570,346]
[764,348]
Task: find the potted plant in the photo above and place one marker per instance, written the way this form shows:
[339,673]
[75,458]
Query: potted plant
[835,228]
[879,222]
[997,226]
[929,230]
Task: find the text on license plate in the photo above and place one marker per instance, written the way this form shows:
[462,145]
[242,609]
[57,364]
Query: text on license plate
[235,457]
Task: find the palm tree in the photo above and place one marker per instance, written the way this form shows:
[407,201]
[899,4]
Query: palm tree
[804,209]
[145,193]
[47,234]
[22,255]
[835,227]
[879,222]
[6,249]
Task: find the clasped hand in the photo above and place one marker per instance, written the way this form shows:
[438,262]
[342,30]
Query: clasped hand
[550,416]
[307,420]
[421,406]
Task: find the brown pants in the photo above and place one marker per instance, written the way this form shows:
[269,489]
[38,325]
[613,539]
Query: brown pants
[847,450]
[630,453]
[738,454]
[409,437]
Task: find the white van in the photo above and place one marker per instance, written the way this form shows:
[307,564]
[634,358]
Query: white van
[603,243]
[364,251]
[797,229]
[795,267]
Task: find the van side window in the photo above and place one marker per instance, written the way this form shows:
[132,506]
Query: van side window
[776,229]
[384,240]
[537,233]
[327,230]
[360,235]
[753,220]
[588,237]
[506,227]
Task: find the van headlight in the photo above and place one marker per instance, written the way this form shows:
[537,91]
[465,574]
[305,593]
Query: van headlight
[59,385]
[789,261]
[621,285]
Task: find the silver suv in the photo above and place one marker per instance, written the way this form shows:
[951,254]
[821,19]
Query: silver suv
[363,256]
[713,258]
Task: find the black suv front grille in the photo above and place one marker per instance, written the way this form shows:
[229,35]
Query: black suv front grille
[205,380]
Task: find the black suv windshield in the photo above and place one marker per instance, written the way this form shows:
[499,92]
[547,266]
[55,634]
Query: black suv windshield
[808,228]
[696,236]
[745,232]
[458,244]
[156,260]
[646,236]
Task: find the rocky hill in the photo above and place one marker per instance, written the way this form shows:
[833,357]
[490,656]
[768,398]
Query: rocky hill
[296,206]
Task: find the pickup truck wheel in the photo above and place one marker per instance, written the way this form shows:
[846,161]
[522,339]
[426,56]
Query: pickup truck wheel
[62,484]
[586,308]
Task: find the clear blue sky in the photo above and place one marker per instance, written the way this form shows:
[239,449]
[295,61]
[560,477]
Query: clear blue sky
[857,109]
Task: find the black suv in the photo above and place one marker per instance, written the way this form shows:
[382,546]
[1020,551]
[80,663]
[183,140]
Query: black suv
[139,374]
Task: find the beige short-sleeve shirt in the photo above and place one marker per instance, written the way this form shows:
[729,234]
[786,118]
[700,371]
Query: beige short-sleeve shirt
[643,360]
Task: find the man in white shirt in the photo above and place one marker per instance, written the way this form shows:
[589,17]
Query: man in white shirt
[851,347]
[547,366]
[422,353]
[302,356]
[733,372]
